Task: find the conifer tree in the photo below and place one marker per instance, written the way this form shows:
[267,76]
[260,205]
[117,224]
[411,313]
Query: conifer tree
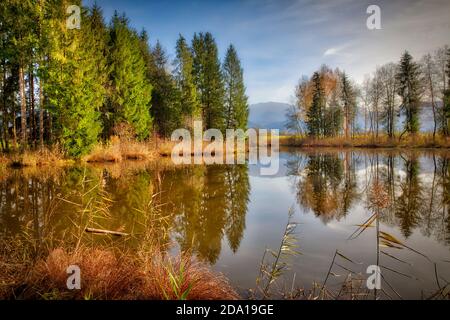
[208,79]
[130,95]
[348,98]
[236,106]
[165,95]
[74,90]
[190,104]
[333,114]
[315,112]
[100,36]
[19,18]
[409,91]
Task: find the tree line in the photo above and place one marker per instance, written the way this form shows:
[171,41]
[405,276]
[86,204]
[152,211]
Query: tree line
[74,87]
[327,104]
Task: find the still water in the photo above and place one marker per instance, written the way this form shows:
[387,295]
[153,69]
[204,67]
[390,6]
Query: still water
[228,215]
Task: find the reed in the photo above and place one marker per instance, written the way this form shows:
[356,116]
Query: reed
[420,140]
[110,267]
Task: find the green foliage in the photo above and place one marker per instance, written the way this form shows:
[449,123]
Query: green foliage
[408,78]
[236,106]
[209,80]
[74,85]
[315,117]
[166,108]
[348,99]
[190,104]
[130,94]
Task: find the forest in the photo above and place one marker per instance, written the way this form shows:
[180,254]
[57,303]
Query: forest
[75,88]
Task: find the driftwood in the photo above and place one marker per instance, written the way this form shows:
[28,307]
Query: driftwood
[102,231]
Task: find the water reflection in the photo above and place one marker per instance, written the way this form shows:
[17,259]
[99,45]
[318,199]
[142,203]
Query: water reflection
[200,204]
[208,203]
[228,217]
[329,183]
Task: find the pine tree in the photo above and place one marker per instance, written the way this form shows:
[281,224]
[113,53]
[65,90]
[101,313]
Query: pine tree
[208,79]
[9,75]
[236,106]
[348,98]
[409,91]
[315,112]
[19,18]
[333,114]
[130,94]
[73,86]
[190,104]
[100,36]
[165,95]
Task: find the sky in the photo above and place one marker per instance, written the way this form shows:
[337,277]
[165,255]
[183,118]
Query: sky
[278,41]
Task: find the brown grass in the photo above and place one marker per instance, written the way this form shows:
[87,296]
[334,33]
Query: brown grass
[111,274]
[422,140]
[53,156]
[117,150]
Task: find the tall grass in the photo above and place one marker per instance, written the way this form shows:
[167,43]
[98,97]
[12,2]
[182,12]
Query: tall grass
[275,262]
[110,269]
[117,149]
[420,140]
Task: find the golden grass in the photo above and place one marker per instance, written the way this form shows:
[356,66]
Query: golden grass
[53,156]
[110,274]
[422,140]
[116,150]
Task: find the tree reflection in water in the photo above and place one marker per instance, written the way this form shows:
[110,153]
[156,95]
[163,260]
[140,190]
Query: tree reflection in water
[329,183]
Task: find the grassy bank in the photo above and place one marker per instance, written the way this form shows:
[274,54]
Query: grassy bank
[106,273]
[368,141]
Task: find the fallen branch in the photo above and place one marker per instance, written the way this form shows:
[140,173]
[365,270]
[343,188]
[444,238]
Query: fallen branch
[102,231]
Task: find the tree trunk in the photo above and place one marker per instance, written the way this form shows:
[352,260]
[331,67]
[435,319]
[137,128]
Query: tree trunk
[41,115]
[23,109]
[5,119]
[32,105]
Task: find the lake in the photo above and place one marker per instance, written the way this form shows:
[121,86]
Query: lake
[229,214]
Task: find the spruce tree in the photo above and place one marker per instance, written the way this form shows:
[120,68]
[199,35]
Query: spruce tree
[73,86]
[18,18]
[315,112]
[409,91]
[130,95]
[190,104]
[165,95]
[348,98]
[100,36]
[236,106]
[208,79]
[333,114]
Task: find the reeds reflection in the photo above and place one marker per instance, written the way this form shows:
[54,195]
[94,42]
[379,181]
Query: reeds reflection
[228,215]
[198,205]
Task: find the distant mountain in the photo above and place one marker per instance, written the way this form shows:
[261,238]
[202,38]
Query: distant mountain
[268,115]
[425,118]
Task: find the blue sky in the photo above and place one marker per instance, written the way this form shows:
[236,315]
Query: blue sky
[278,41]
